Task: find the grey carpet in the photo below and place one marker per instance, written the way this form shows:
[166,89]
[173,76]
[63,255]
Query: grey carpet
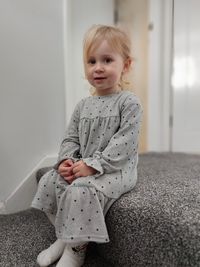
[24,234]
[157,224]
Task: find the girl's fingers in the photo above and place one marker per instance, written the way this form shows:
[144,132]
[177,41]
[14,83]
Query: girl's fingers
[64,170]
[77,174]
[78,163]
[66,163]
[69,178]
[75,170]
[69,162]
[65,174]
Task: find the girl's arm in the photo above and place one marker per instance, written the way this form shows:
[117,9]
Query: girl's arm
[70,147]
[124,142]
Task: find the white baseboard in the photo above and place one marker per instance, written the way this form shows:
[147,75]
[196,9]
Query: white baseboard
[2,207]
[22,196]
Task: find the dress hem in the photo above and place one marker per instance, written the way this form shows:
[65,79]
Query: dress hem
[95,239]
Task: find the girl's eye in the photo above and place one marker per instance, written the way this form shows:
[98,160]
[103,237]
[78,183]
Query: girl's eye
[91,61]
[108,60]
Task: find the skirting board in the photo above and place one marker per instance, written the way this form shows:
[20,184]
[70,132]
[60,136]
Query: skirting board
[23,195]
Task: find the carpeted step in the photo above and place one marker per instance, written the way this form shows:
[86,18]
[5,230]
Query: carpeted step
[158,222]
[156,225]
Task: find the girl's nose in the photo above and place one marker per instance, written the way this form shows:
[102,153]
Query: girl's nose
[99,67]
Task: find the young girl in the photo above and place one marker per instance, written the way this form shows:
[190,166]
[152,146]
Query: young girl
[98,157]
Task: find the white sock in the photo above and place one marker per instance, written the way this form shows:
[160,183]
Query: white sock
[73,257]
[51,254]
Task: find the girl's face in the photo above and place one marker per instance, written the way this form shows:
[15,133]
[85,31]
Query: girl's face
[104,68]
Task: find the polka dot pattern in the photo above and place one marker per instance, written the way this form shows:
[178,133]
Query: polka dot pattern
[103,132]
[80,210]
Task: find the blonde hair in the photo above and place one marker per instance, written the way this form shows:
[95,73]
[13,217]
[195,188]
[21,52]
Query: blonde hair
[116,38]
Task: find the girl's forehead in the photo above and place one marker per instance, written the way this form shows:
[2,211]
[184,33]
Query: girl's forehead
[101,46]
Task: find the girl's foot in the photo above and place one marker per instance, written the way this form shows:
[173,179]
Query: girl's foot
[51,254]
[73,256]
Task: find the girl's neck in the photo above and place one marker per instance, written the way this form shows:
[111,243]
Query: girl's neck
[107,95]
[107,92]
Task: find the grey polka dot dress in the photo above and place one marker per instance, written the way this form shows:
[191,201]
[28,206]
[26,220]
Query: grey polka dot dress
[103,132]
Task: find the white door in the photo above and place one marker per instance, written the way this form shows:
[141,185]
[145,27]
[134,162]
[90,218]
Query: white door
[186,77]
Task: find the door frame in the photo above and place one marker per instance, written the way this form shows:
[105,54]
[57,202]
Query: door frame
[160,98]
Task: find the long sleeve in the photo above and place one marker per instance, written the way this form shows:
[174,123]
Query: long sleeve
[70,146]
[124,142]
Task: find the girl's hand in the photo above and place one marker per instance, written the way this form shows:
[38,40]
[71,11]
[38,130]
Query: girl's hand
[65,170]
[80,169]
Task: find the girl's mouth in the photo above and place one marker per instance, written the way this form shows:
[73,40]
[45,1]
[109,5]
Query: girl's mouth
[99,78]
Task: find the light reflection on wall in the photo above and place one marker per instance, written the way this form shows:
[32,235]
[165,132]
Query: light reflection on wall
[185,73]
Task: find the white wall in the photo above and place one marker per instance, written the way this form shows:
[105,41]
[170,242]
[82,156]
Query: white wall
[32,108]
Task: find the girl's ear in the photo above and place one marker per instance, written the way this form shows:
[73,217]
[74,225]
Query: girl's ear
[127,65]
